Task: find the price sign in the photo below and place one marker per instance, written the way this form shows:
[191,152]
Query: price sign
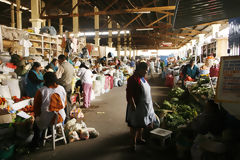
[228,87]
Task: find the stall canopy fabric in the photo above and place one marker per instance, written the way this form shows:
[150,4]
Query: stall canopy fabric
[194,12]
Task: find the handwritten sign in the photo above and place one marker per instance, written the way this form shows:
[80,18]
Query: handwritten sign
[228,87]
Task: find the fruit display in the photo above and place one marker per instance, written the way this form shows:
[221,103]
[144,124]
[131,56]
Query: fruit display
[15,99]
[2,101]
[28,108]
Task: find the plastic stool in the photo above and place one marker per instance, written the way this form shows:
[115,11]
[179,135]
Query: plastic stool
[53,135]
[163,134]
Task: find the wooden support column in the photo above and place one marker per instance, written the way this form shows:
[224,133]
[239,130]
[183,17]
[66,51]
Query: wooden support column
[134,54]
[61,26]
[75,18]
[125,43]
[130,45]
[12,16]
[49,23]
[110,43]
[96,26]
[44,13]
[19,15]
[118,42]
[36,21]
[215,30]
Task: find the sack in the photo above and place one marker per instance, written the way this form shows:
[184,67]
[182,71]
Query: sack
[13,85]
[93,133]
[169,82]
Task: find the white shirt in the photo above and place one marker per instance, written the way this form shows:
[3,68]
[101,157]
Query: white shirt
[85,75]
[152,64]
[77,64]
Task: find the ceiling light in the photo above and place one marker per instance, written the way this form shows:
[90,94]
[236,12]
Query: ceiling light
[144,29]
[8,2]
[143,12]
[181,37]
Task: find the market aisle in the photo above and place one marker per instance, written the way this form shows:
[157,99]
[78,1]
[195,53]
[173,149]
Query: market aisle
[109,120]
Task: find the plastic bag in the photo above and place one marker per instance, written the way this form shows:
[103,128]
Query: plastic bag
[73,136]
[93,133]
[84,134]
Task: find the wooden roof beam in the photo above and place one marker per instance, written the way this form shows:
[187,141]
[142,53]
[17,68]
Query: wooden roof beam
[138,15]
[112,12]
[159,19]
[110,5]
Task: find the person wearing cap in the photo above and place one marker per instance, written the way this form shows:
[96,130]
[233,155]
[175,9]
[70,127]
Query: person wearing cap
[65,75]
[34,79]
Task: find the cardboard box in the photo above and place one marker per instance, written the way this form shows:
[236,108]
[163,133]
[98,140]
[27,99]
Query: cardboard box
[5,118]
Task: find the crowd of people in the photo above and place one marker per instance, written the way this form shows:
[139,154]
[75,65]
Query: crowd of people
[51,88]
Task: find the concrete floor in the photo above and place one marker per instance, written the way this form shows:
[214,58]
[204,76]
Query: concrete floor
[113,142]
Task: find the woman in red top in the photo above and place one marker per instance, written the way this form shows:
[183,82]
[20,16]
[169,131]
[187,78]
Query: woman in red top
[140,112]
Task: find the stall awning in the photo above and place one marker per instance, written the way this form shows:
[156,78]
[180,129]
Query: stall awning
[194,12]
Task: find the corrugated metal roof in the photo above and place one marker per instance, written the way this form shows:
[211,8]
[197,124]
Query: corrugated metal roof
[194,12]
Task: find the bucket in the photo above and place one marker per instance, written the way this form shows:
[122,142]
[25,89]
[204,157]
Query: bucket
[7,153]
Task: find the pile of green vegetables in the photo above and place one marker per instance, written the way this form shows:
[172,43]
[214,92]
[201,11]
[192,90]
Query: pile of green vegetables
[178,110]
[203,89]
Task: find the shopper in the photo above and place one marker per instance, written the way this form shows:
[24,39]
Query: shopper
[49,102]
[76,62]
[157,65]
[152,66]
[190,70]
[85,75]
[140,113]
[65,74]
[34,79]
[53,65]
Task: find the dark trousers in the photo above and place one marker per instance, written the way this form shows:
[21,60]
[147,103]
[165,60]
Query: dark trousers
[37,138]
[68,108]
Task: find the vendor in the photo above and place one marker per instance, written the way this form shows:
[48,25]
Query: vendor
[53,64]
[140,112]
[190,70]
[34,79]
[48,99]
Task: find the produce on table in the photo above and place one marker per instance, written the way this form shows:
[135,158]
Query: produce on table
[28,108]
[176,93]
[2,101]
[15,99]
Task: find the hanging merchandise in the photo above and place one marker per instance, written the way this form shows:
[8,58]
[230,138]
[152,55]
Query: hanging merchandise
[26,45]
[74,45]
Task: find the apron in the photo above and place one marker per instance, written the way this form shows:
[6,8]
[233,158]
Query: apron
[32,88]
[46,116]
[144,113]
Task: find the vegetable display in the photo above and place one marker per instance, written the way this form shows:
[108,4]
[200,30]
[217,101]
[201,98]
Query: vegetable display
[180,110]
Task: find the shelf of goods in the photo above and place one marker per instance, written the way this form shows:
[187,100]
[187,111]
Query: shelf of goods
[42,44]
[217,48]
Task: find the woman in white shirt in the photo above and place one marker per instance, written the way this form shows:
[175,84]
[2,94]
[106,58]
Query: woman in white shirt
[85,75]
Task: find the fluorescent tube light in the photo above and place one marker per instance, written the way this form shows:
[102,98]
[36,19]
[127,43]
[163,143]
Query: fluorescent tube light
[8,2]
[143,12]
[144,29]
